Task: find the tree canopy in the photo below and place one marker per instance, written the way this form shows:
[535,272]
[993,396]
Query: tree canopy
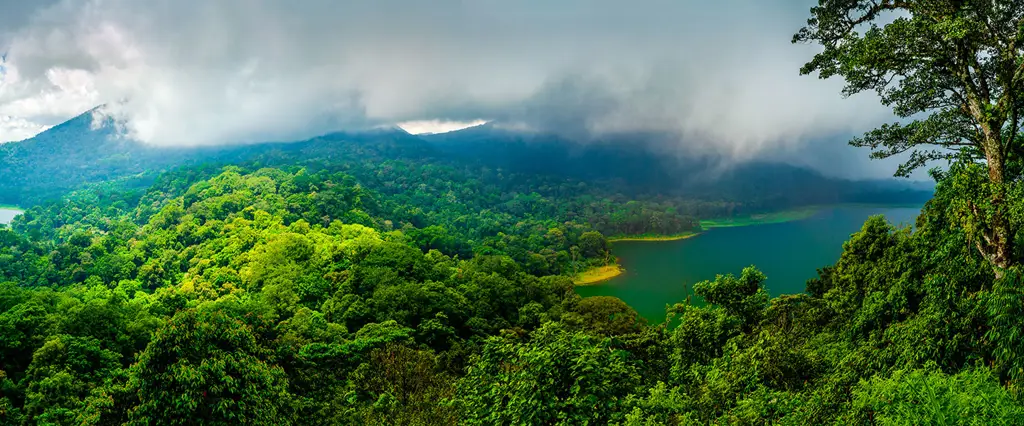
[954,69]
[247,295]
[360,283]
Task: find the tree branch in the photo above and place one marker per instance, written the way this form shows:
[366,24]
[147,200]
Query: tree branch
[873,12]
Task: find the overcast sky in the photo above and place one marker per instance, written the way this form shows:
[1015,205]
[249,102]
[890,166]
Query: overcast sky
[722,76]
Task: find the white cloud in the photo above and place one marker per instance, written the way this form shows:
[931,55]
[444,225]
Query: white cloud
[17,129]
[722,76]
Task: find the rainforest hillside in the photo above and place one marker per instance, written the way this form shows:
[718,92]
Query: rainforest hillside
[283,295]
[376,277]
[88,150]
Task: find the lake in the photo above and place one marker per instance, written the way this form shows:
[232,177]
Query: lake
[7,214]
[660,273]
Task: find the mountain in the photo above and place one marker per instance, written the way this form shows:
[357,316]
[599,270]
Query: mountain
[640,160]
[79,153]
[87,150]
[70,154]
[528,152]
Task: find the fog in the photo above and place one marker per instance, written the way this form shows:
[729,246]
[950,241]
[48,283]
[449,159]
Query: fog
[721,78]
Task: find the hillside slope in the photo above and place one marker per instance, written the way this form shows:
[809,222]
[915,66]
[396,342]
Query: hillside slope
[77,153]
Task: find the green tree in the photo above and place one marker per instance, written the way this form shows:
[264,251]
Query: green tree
[605,316]
[593,244]
[927,396]
[211,368]
[403,387]
[555,377]
[743,297]
[62,374]
[957,66]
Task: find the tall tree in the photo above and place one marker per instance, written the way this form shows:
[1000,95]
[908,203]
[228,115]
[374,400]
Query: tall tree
[957,68]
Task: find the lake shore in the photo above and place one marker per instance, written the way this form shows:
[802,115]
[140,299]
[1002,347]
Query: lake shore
[7,214]
[675,237]
[604,273]
[762,219]
[790,215]
[788,253]
[752,220]
[596,275]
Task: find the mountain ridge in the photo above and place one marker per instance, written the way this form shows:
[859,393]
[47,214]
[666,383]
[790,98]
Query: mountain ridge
[77,152]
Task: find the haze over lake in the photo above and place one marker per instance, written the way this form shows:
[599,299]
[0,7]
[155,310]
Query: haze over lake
[662,273]
[6,215]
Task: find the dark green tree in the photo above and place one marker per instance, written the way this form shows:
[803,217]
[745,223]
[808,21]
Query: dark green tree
[62,374]
[605,316]
[957,68]
[593,244]
[210,368]
[743,297]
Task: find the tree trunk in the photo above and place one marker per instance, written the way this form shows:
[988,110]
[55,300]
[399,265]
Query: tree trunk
[999,239]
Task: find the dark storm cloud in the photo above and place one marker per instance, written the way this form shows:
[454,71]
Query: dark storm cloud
[16,13]
[721,77]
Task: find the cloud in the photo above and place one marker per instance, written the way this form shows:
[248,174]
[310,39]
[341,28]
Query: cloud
[17,129]
[722,77]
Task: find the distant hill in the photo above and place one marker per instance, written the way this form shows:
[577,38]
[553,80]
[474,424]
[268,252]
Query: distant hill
[546,153]
[78,153]
[634,159]
[73,154]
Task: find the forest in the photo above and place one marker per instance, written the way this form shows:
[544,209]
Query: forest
[276,296]
[87,151]
[361,282]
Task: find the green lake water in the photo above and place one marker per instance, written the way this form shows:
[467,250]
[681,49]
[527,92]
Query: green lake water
[6,215]
[660,273]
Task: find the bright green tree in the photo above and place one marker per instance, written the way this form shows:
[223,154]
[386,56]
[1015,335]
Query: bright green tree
[926,396]
[743,297]
[554,377]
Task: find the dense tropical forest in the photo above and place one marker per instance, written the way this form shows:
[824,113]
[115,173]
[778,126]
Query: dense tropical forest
[276,296]
[363,279]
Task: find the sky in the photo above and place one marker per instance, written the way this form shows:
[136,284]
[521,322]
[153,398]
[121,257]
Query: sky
[721,77]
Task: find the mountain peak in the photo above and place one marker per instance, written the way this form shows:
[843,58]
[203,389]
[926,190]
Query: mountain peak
[386,128]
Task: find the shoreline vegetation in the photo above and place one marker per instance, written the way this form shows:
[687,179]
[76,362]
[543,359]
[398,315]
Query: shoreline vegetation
[788,215]
[675,237]
[601,274]
[762,219]
[11,207]
[751,220]
[597,275]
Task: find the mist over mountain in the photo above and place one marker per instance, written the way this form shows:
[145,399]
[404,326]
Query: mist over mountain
[88,149]
[719,79]
[643,160]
